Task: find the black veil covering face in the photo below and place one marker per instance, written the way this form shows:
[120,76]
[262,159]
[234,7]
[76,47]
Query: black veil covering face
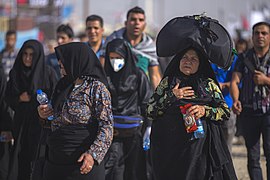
[79,61]
[29,79]
[212,37]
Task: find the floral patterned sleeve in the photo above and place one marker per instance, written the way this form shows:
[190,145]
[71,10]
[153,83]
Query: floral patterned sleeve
[103,113]
[219,111]
[162,98]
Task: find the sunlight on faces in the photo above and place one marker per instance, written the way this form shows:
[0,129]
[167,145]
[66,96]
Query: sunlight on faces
[135,24]
[189,63]
[27,57]
[62,38]
[94,31]
[261,36]
[11,40]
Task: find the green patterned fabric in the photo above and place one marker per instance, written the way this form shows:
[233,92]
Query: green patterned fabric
[163,98]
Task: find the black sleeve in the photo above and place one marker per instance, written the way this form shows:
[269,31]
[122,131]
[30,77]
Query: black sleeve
[144,93]
[12,92]
[5,120]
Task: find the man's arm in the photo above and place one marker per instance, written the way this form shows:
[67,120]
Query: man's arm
[155,76]
[234,92]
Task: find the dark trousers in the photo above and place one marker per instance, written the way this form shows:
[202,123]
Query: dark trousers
[125,159]
[253,127]
[4,159]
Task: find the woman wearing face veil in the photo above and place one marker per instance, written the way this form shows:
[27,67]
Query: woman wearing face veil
[130,90]
[28,74]
[189,79]
[82,131]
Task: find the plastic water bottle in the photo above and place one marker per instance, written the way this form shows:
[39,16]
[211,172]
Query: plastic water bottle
[146,144]
[199,133]
[42,98]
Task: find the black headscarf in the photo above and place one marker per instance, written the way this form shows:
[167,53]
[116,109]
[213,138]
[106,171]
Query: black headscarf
[195,80]
[79,61]
[30,79]
[121,47]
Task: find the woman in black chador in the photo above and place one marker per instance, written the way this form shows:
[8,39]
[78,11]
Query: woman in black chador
[5,127]
[189,83]
[82,129]
[130,90]
[28,74]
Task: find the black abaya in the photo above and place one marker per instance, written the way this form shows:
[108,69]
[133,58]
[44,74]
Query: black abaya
[26,127]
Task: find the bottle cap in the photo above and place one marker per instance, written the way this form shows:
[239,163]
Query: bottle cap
[39,91]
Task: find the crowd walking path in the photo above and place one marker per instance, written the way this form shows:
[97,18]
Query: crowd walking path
[239,156]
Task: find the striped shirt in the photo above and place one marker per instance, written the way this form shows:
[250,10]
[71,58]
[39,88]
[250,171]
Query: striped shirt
[254,99]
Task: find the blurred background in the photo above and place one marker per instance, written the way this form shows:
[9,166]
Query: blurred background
[38,19]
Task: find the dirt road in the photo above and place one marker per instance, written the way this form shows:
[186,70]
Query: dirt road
[239,155]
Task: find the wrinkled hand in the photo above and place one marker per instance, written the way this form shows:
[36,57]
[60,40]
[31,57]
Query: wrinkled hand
[197,111]
[25,97]
[237,107]
[88,163]
[7,137]
[183,93]
[259,78]
[44,111]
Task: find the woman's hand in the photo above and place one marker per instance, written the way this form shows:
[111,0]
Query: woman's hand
[183,93]
[197,111]
[7,137]
[88,163]
[25,97]
[44,111]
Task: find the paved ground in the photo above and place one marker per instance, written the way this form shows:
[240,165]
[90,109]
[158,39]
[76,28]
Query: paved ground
[239,155]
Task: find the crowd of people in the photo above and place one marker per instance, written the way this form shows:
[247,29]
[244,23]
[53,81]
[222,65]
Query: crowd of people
[109,95]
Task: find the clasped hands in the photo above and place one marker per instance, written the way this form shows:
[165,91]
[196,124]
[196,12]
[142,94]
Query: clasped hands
[187,92]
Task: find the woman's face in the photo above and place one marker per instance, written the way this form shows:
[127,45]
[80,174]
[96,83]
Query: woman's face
[189,63]
[114,55]
[27,57]
[62,69]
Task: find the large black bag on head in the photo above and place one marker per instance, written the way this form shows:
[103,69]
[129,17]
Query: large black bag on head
[199,31]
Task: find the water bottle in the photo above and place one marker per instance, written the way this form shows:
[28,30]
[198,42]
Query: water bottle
[146,144]
[199,133]
[43,99]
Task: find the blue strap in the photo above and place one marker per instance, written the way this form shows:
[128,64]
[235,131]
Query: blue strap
[126,122]
[126,126]
[128,118]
